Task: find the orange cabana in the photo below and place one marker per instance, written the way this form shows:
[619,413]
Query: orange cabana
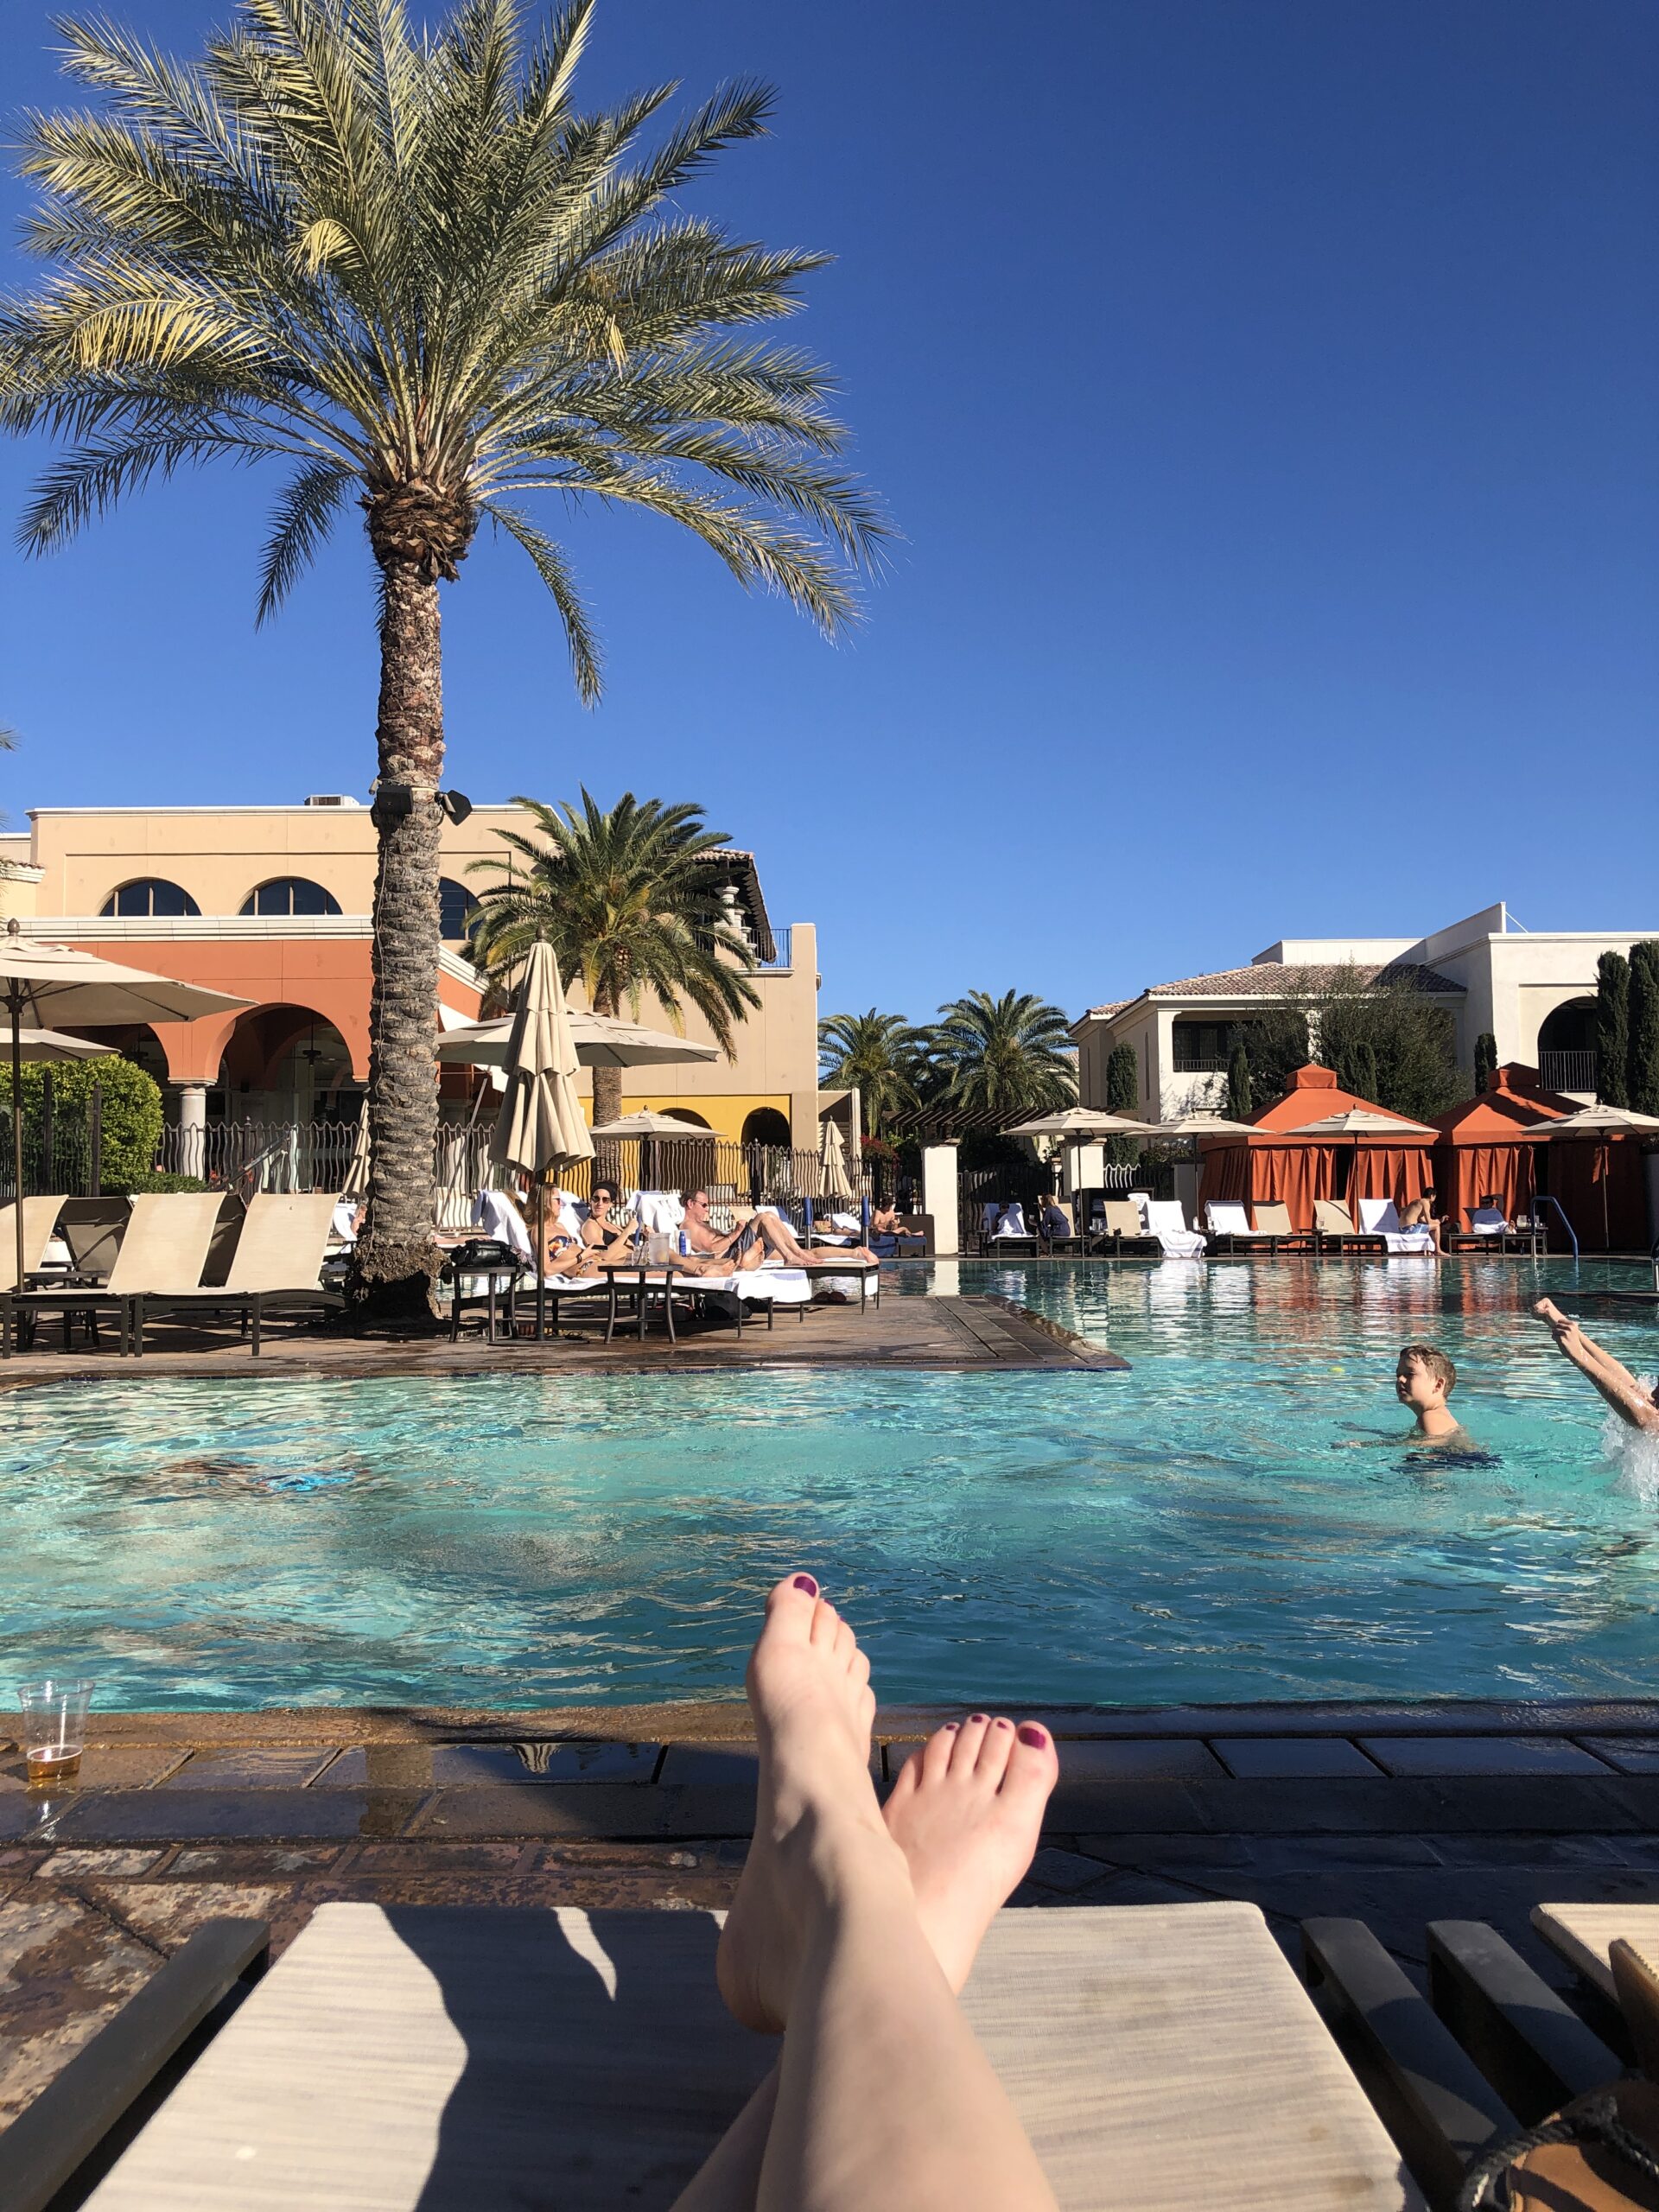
[1488,1147]
[1277,1162]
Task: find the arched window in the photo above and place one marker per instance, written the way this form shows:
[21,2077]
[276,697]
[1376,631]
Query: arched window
[290,895]
[766,1125]
[150,894]
[457,906]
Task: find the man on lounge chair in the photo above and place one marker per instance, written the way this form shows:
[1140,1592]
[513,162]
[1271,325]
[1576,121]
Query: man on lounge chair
[1637,1406]
[764,1235]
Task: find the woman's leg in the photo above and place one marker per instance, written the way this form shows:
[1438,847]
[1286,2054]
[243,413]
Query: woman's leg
[884,2098]
[967,1812]
[1615,1382]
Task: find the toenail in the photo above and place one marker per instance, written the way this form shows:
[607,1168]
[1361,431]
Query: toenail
[1031,1734]
[805,1582]
[1004,1723]
[949,1725]
[978,1716]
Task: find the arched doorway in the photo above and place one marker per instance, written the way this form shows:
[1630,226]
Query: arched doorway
[1566,1047]
[766,1125]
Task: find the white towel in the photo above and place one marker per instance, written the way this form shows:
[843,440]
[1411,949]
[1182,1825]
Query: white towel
[1488,1221]
[494,1212]
[1166,1221]
[344,1224]
[1013,1223]
[1378,1218]
[659,1212]
[989,1214]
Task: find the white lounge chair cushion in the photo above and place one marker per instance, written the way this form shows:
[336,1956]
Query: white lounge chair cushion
[494,1212]
[1013,1223]
[1160,2057]
[1379,1218]
[1227,1217]
[659,1212]
[1488,1221]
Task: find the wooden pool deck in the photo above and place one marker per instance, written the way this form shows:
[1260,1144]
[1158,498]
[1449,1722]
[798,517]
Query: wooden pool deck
[937,1334]
[1398,1814]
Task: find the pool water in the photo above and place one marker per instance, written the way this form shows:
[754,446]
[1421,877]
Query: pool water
[1236,1517]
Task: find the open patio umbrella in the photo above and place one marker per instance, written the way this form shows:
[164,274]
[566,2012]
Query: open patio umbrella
[1606,1122]
[1201,1122]
[648,1128]
[44,982]
[599,1042]
[1361,1121]
[1081,1124]
[50,1045]
[540,1126]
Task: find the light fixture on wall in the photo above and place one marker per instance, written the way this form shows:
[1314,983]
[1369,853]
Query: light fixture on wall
[311,1055]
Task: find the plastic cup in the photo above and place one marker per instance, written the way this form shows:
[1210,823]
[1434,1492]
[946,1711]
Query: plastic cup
[55,1727]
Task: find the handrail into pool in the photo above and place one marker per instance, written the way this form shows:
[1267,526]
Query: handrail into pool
[1543,1198]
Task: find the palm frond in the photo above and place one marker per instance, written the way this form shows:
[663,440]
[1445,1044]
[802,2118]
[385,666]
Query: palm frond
[555,572]
[304,515]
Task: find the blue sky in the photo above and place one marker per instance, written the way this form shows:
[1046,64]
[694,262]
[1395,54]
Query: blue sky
[1269,398]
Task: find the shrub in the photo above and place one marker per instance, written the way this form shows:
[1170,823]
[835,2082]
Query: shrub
[1485,1061]
[131,1111]
[159,1182]
[1123,1097]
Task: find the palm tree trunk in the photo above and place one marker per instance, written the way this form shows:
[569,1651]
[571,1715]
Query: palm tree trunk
[395,1261]
[607,1094]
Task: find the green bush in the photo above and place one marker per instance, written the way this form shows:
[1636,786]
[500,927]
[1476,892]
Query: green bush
[1485,1061]
[157,1182]
[1643,1064]
[1123,1097]
[131,1115]
[1239,1092]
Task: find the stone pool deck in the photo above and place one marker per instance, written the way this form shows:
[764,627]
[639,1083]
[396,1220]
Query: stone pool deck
[1398,1814]
[934,1334]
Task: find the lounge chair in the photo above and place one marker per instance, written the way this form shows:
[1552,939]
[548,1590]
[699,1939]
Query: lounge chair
[39,1220]
[1066,1240]
[164,1251]
[1492,1231]
[1166,1221]
[1230,1230]
[1124,1228]
[1011,1233]
[1159,2056]
[275,1268]
[1381,1218]
[1334,1230]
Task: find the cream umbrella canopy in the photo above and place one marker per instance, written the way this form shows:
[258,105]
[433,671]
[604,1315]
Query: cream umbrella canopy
[599,1042]
[540,1126]
[649,1128]
[1080,1124]
[44,983]
[49,1044]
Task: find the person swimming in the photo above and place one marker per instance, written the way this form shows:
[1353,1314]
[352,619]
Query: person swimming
[1636,1404]
[1424,1378]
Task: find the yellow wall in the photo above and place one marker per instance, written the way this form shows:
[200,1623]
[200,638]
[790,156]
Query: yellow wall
[220,854]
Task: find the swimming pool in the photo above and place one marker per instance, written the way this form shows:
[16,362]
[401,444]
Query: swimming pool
[1195,1530]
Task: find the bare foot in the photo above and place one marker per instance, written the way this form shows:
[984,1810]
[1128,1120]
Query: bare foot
[1548,1310]
[816,1814]
[967,1810]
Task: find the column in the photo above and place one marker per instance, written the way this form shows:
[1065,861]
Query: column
[939,1195]
[192,1130]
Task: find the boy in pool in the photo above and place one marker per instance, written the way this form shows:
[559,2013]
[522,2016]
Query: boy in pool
[1423,1379]
[1637,1406]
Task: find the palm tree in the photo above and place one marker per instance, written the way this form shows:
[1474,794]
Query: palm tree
[1002,1061]
[402,263]
[628,899]
[878,1055]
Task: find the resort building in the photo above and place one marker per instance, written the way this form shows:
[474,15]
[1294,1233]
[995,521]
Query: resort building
[1533,990]
[272,904]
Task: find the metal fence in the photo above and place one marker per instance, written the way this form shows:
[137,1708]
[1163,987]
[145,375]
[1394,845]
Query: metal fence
[1028,1184]
[1574,1072]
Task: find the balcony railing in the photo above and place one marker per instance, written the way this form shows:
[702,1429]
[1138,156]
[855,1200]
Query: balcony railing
[783,951]
[1199,1063]
[1572,1072]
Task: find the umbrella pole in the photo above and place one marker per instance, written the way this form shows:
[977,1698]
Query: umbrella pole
[541,1261]
[15,996]
[1606,1170]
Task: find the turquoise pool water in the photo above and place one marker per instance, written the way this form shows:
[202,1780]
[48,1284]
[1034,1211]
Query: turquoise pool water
[1198,1529]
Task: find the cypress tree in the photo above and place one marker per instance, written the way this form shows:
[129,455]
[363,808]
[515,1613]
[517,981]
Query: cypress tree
[1485,1061]
[1123,1097]
[1238,1084]
[1613,1029]
[1644,1063]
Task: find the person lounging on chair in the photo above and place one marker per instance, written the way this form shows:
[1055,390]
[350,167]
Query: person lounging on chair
[1380,1217]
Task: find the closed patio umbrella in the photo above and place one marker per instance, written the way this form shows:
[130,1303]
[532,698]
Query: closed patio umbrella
[540,1126]
[835,1178]
[46,982]
[356,1185]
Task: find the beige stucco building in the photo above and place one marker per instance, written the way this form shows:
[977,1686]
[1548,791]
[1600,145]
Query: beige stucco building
[272,904]
[1533,990]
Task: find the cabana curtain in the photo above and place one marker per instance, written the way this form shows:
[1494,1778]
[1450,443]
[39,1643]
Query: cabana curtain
[1467,1173]
[1400,1172]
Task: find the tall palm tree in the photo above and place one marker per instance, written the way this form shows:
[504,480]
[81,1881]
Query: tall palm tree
[1002,1061]
[402,263]
[628,899]
[879,1055]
